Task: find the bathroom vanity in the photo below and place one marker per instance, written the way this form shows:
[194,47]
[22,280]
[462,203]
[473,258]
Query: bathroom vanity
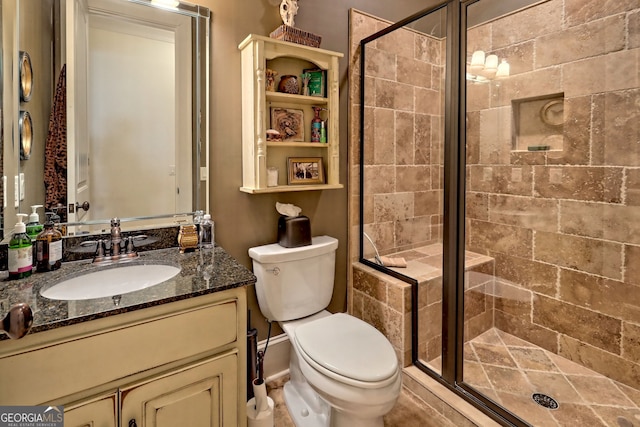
[172,354]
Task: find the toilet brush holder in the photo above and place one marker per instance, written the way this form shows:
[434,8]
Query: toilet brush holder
[260,407]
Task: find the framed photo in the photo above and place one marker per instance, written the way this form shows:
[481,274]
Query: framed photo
[317,81]
[305,170]
[289,122]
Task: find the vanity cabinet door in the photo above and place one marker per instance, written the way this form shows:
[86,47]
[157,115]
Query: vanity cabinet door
[101,412]
[203,394]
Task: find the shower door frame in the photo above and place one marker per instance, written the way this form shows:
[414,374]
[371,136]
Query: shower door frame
[454,193]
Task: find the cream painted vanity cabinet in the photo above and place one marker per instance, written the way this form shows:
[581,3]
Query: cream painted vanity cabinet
[260,55]
[180,363]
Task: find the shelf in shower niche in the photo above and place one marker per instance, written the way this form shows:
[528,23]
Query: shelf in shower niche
[536,151]
[538,148]
[538,123]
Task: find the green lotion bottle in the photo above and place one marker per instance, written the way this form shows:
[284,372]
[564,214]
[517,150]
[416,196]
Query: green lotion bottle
[20,251]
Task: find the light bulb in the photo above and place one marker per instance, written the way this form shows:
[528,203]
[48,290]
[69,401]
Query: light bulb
[491,63]
[477,61]
[503,69]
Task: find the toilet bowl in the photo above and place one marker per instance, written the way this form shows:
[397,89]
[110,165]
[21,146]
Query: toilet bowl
[343,371]
[349,364]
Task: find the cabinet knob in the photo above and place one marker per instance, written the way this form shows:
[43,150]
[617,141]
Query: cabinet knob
[132,423]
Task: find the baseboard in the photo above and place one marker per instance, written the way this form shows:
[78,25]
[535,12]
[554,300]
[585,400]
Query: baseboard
[276,358]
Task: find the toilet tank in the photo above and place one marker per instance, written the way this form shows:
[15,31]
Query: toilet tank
[294,282]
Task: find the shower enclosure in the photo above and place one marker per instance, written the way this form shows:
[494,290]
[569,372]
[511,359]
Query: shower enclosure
[497,221]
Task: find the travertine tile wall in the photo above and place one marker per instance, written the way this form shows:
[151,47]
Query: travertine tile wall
[403,135]
[563,225]
[403,166]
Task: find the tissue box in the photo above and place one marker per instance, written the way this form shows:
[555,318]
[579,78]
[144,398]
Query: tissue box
[294,231]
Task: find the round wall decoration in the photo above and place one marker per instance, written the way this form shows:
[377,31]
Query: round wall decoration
[26,134]
[26,77]
[552,113]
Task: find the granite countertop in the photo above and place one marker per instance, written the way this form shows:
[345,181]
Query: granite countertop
[193,280]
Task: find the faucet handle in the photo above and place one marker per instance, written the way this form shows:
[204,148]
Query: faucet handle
[129,246]
[101,248]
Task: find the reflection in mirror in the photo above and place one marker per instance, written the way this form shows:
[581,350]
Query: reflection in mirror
[2,187]
[120,119]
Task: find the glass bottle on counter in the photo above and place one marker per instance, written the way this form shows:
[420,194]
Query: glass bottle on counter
[206,235]
[49,247]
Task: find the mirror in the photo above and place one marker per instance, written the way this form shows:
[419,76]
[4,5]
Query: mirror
[118,106]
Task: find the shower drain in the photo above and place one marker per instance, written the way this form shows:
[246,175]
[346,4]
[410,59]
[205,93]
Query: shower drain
[544,400]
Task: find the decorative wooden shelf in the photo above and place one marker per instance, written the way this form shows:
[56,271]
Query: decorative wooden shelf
[259,53]
[291,188]
[298,99]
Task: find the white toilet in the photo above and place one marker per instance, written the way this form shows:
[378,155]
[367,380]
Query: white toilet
[343,371]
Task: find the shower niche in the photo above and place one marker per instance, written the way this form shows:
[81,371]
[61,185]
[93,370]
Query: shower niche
[538,123]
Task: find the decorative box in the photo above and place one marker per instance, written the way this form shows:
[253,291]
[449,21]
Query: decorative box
[295,35]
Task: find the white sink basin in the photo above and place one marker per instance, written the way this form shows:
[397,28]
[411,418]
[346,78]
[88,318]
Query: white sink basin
[110,282]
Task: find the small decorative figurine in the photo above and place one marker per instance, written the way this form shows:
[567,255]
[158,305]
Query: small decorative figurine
[271,80]
[288,84]
[288,11]
[273,135]
[306,77]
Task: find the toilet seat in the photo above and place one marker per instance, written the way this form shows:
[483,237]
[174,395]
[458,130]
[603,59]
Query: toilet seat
[348,350]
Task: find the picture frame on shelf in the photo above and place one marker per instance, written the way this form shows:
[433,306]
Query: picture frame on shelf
[317,82]
[305,170]
[289,122]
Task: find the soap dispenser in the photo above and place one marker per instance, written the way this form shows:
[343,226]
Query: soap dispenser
[33,226]
[20,251]
[48,247]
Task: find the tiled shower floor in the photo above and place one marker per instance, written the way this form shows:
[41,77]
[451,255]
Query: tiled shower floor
[509,371]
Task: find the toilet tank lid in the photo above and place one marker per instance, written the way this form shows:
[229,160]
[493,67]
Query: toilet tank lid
[275,253]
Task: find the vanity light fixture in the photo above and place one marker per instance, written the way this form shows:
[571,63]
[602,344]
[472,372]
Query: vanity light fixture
[166,4]
[483,68]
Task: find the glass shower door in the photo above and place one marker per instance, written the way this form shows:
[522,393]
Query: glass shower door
[552,288]
[402,164]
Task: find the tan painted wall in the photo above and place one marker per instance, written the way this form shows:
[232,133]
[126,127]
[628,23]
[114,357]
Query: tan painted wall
[244,220]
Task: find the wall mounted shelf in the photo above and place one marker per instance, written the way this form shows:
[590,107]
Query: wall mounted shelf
[259,54]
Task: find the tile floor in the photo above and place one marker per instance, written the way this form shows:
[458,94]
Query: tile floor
[408,412]
[509,370]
